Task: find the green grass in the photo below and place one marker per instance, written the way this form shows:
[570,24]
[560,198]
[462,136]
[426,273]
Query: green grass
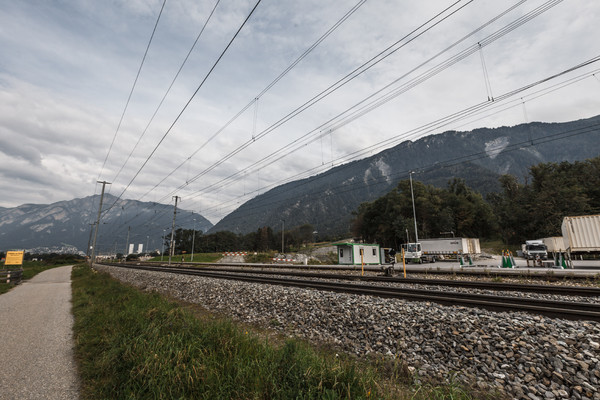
[260,258]
[198,257]
[133,345]
[497,247]
[30,269]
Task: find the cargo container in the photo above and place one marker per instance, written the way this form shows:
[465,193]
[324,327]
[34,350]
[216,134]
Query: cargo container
[581,234]
[555,244]
[430,250]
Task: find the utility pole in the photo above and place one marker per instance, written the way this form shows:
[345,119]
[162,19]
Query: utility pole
[162,251]
[127,244]
[172,244]
[193,240]
[104,183]
[413,204]
[282,231]
[87,252]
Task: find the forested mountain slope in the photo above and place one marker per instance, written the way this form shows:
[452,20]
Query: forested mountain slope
[480,157]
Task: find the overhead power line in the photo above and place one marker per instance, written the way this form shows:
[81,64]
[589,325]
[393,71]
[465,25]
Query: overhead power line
[413,82]
[168,89]
[430,127]
[363,107]
[408,38]
[548,3]
[593,128]
[452,118]
[187,103]
[262,93]
[132,89]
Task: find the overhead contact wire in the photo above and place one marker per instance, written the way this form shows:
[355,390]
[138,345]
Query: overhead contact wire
[168,90]
[187,103]
[265,90]
[131,91]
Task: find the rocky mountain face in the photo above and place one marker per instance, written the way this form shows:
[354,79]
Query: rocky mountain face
[479,157]
[68,223]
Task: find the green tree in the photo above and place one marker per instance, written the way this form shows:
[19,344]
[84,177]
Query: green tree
[535,210]
[389,219]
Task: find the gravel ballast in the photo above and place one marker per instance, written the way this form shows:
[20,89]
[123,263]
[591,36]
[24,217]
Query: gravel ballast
[523,355]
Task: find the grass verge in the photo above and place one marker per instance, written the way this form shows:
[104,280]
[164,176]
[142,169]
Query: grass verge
[132,344]
[198,257]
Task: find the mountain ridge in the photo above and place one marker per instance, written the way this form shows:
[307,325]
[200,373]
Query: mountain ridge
[325,201]
[68,222]
[479,157]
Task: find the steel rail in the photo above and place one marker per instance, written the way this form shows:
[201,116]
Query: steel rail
[551,308]
[563,290]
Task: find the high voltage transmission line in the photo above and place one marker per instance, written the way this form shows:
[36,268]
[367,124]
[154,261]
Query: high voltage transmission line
[168,89]
[263,92]
[132,89]
[331,125]
[373,61]
[408,38]
[466,113]
[188,102]
[548,3]
[592,128]
[461,115]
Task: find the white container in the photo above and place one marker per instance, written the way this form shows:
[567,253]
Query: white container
[449,246]
[555,244]
[582,234]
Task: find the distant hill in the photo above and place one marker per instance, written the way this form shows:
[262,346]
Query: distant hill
[479,157]
[67,223]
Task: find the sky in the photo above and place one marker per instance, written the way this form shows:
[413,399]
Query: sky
[230,99]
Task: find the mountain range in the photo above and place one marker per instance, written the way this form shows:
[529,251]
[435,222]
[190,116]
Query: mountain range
[69,224]
[326,201]
[480,157]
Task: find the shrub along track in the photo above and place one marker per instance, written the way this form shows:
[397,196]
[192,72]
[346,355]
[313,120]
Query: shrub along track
[550,308]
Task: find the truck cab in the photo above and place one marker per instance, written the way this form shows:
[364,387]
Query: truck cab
[534,249]
[412,251]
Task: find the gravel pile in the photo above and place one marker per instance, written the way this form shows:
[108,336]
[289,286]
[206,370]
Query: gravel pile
[525,356]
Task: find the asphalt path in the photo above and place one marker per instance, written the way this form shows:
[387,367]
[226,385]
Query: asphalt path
[36,339]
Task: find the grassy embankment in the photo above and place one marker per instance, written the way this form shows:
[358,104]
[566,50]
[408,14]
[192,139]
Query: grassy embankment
[198,257]
[132,344]
[30,269]
[497,247]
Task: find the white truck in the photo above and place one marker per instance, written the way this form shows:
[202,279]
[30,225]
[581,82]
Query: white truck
[431,250]
[534,249]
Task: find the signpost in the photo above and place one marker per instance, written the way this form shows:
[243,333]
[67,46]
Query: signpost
[14,258]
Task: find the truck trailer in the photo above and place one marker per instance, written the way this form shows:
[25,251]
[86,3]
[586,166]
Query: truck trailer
[431,250]
[581,234]
[555,245]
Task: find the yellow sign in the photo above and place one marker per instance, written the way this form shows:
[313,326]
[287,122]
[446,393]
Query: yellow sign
[14,258]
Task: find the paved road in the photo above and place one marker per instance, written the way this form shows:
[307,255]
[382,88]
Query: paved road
[36,339]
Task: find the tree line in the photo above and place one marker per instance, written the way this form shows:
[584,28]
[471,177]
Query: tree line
[521,211]
[262,240]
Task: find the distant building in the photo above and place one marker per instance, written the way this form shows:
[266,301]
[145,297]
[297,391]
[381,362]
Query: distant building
[358,253]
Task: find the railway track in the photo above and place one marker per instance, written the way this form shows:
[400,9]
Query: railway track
[551,308]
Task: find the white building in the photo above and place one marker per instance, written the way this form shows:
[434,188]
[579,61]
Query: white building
[358,253]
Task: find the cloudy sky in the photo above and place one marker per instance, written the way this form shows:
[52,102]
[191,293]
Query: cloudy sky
[304,86]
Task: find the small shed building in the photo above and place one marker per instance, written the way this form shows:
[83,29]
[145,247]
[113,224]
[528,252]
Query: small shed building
[358,253]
